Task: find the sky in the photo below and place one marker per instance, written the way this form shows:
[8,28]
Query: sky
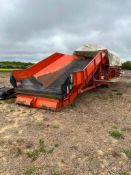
[34,29]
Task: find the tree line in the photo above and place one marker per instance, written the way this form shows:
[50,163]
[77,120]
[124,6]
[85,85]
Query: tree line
[126,65]
[24,65]
[14,65]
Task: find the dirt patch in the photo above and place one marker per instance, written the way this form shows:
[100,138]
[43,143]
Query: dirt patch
[90,137]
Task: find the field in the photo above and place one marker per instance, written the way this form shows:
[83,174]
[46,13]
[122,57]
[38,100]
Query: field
[6,70]
[90,137]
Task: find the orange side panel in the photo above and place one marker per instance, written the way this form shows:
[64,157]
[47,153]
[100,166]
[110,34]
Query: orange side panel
[25,100]
[57,65]
[21,74]
[45,103]
[38,102]
[48,65]
[82,76]
[53,71]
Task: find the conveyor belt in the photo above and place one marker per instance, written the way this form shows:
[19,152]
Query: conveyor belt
[77,66]
[31,86]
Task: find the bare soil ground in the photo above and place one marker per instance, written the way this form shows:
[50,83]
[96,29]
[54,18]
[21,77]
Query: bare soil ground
[90,137]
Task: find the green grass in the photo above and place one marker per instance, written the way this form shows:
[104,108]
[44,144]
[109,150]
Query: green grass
[126,129]
[55,172]
[119,93]
[114,126]
[111,94]
[116,134]
[56,145]
[30,170]
[115,92]
[129,101]
[128,153]
[55,125]
[10,101]
[41,148]
[33,155]
[124,173]
[50,151]
[6,70]
[73,104]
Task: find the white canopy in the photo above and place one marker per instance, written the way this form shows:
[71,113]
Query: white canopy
[92,49]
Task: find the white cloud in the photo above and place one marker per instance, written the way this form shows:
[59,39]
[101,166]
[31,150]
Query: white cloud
[31,29]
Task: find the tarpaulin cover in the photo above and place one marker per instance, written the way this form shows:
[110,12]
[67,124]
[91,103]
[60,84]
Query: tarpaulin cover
[90,50]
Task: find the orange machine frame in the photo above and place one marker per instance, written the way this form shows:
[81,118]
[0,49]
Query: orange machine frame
[83,80]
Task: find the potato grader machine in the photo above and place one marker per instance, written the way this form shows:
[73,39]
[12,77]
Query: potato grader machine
[57,80]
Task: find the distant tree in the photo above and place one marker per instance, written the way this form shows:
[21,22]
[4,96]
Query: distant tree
[14,65]
[126,65]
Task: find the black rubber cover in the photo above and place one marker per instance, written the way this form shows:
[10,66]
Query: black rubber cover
[6,93]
